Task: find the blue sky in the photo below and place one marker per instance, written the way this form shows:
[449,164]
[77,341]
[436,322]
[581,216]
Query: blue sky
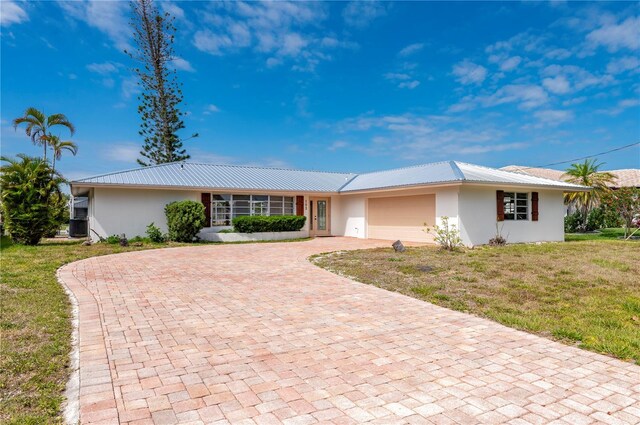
[339,86]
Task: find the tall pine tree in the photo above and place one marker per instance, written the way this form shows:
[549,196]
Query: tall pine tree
[161,93]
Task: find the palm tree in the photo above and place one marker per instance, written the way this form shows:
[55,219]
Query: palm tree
[57,146]
[587,174]
[39,126]
[28,190]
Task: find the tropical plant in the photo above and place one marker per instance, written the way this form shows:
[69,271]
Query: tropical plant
[154,35]
[57,146]
[184,220]
[446,235]
[38,126]
[154,233]
[626,203]
[29,191]
[587,174]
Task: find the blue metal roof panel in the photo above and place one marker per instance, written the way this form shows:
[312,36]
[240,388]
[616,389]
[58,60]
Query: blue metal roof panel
[224,177]
[233,177]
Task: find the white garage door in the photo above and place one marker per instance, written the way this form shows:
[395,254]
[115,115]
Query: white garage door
[401,217]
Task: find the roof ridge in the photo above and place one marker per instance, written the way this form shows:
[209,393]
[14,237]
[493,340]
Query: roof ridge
[405,168]
[457,171]
[128,170]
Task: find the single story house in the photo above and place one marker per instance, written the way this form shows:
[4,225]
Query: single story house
[391,204]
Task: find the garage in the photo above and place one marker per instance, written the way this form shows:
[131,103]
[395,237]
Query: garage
[401,217]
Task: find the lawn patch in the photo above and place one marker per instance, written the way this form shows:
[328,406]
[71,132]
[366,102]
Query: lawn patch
[583,292]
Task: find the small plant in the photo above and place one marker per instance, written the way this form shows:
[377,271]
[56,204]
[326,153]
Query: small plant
[154,233]
[447,235]
[184,220]
[112,240]
[123,241]
[498,239]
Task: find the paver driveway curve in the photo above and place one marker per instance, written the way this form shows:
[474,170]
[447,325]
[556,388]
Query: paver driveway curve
[256,334]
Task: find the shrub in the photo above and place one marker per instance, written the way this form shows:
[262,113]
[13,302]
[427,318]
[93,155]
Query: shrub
[154,233]
[184,220]
[30,191]
[274,223]
[595,219]
[625,202]
[447,235]
[498,239]
[574,222]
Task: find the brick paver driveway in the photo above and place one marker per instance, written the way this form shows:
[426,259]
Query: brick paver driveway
[257,334]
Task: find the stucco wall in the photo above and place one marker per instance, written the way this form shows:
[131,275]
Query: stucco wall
[129,211]
[478,217]
[348,216]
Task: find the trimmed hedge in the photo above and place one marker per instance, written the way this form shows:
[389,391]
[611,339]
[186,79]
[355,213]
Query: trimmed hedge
[184,220]
[274,223]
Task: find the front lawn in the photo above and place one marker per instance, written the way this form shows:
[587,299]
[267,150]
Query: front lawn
[598,235]
[36,328]
[585,293]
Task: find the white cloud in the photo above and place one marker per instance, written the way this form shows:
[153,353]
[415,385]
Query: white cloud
[421,137]
[468,72]
[360,14]
[574,101]
[282,31]
[403,80]
[557,85]
[553,117]
[104,68]
[110,17]
[182,64]
[620,107]
[616,36]
[11,13]
[511,63]
[338,144]
[173,9]
[558,53]
[122,152]
[578,77]
[409,84]
[411,49]
[211,109]
[623,64]
[528,96]
[129,87]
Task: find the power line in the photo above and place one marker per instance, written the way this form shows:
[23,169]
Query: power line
[584,157]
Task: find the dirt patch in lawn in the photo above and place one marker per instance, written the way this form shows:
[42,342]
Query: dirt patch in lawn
[581,293]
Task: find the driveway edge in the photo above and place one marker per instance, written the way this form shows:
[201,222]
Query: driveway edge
[71,405]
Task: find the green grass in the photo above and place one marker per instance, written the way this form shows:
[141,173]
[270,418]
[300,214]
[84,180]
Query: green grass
[35,325]
[36,329]
[602,234]
[584,293]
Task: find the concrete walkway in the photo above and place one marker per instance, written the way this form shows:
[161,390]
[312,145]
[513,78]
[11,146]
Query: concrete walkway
[256,334]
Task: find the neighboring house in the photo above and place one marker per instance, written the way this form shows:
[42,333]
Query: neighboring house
[392,204]
[629,177]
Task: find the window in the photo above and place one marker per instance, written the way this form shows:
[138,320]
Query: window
[516,206]
[221,210]
[225,207]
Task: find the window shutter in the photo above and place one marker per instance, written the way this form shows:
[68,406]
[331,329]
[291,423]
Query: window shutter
[534,206]
[206,201]
[299,205]
[500,205]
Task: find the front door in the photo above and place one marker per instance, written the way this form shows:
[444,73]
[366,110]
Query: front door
[320,217]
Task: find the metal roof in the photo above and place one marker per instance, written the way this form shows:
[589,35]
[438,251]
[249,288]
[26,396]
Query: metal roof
[187,174]
[235,177]
[629,177]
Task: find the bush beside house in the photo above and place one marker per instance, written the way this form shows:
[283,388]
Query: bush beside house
[274,223]
[184,220]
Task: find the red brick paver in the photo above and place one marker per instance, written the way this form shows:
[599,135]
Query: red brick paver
[256,334]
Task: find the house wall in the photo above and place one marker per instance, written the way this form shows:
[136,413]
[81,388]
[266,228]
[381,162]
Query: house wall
[348,216]
[115,211]
[477,217]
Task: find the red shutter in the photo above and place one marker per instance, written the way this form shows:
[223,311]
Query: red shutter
[534,206]
[299,205]
[206,201]
[500,205]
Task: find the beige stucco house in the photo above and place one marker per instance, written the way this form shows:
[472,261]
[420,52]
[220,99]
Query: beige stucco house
[392,204]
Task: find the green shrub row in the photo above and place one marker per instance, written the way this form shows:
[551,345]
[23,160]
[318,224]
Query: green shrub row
[274,223]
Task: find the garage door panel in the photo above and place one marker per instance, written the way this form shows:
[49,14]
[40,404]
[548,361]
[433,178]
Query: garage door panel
[401,217]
